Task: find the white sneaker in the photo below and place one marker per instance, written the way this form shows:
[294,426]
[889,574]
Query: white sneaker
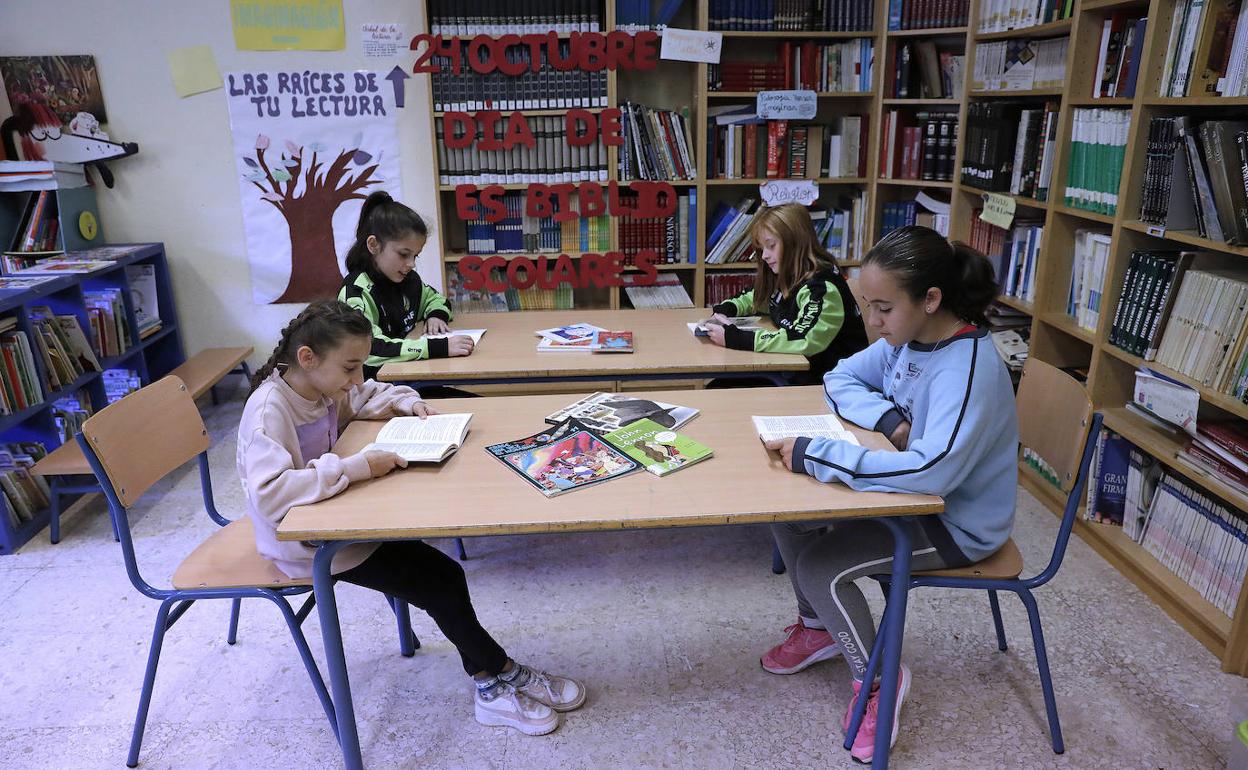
[509,708]
[561,693]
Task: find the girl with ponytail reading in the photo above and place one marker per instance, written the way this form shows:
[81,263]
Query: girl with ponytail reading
[310,388]
[382,283]
[935,386]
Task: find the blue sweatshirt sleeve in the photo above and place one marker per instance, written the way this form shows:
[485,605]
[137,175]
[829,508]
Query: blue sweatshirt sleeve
[963,414]
[854,388]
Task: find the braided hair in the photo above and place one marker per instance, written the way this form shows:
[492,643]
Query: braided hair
[321,326]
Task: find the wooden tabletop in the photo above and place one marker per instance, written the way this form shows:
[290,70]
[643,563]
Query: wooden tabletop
[662,342]
[473,493]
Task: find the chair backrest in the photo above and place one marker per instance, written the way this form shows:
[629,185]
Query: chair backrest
[872,335]
[145,435]
[1056,421]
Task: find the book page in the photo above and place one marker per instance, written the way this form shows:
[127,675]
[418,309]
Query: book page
[475,334]
[434,429]
[414,452]
[810,425]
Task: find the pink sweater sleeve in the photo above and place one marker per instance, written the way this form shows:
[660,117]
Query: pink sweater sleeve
[374,400]
[275,485]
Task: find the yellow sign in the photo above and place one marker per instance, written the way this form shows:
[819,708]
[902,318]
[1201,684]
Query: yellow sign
[998,210]
[194,70]
[88,226]
[286,25]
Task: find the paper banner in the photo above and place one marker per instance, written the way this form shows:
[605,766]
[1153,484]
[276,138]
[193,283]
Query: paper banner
[691,45]
[309,146]
[287,25]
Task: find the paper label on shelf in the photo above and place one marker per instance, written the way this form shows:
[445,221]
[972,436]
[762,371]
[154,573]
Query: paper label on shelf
[1157,231]
[786,105]
[383,41]
[998,210]
[691,45]
[778,191]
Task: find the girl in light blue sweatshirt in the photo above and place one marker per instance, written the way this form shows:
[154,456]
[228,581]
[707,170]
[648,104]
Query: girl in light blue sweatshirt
[934,384]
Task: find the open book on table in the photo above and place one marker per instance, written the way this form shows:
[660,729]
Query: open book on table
[423,440]
[745,323]
[809,425]
[475,334]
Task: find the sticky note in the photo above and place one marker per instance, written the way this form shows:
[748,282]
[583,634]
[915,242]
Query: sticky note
[194,70]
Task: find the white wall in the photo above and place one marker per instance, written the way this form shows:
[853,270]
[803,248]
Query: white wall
[181,188]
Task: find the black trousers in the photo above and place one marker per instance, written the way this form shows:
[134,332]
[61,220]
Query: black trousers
[423,576]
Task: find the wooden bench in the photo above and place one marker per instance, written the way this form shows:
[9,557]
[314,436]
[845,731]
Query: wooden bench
[201,373]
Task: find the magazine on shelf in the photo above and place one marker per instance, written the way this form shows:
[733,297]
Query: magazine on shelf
[429,439]
[605,412]
[745,323]
[659,449]
[62,266]
[565,457]
[808,425]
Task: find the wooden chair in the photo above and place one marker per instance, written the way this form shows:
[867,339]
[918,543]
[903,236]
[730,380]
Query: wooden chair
[1056,420]
[132,444]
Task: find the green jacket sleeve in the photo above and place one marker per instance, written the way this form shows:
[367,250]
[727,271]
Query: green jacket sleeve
[819,319]
[385,349]
[737,306]
[434,305]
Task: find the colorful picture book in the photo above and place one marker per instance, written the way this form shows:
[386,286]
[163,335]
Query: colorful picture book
[570,332]
[658,449]
[563,458]
[65,266]
[613,342]
[429,439]
[605,412]
[582,345]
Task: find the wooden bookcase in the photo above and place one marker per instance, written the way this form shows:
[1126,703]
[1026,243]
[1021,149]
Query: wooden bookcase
[151,357]
[1055,337]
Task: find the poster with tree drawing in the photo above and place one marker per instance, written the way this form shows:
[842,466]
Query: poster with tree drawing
[309,147]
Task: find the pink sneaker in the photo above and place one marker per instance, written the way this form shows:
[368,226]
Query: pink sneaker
[864,743]
[801,649]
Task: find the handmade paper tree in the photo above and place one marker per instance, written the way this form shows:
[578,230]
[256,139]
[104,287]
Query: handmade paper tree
[309,208]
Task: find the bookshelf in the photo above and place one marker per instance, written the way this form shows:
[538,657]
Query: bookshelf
[150,357]
[1055,336]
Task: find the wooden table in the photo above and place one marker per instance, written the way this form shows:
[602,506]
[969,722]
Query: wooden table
[664,349]
[497,502]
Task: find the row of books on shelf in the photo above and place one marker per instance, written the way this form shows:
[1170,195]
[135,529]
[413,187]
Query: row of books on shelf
[791,15]
[551,160]
[927,14]
[924,211]
[468,18]
[485,301]
[839,226]
[842,229]
[1089,262]
[1005,15]
[62,346]
[1195,177]
[667,292]
[673,238]
[21,386]
[547,88]
[1206,50]
[1097,151]
[919,70]
[1198,536]
[918,145]
[1194,322]
[722,287]
[1014,253]
[38,229]
[519,233]
[25,494]
[1118,63]
[1019,64]
[70,412]
[658,144]
[791,150]
[813,66]
[639,15]
[1010,147]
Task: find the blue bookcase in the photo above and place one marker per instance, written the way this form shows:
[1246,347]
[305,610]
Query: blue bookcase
[151,358]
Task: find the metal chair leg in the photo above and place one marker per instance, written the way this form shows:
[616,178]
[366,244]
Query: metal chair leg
[305,654]
[235,606]
[864,694]
[149,680]
[54,512]
[459,543]
[1042,664]
[777,561]
[408,643]
[996,620]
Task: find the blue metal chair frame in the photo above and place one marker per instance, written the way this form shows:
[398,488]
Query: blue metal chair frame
[892,625]
[175,602]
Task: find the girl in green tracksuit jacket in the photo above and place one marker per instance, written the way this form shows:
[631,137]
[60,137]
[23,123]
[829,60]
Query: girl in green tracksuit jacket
[382,283]
[800,287]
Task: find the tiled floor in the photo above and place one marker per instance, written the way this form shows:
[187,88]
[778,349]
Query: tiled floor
[664,626]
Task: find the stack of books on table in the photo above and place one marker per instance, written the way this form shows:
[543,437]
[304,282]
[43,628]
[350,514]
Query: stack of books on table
[583,337]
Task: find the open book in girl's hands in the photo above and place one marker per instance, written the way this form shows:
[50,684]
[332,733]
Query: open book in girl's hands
[430,439]
[809,425]
[475,334]
[745,323]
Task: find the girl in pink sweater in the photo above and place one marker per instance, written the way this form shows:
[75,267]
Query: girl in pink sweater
[310,388]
